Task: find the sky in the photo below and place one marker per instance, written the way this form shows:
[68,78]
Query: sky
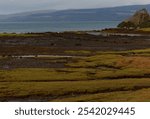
[15,6]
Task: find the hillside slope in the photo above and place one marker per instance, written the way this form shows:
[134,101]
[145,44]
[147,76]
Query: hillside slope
[99,14]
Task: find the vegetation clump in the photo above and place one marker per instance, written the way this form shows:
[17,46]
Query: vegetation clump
[141,19]
[127,25]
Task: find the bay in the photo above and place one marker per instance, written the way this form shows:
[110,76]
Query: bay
[23,27]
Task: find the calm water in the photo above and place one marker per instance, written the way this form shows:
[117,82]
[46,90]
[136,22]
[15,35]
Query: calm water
[54,26]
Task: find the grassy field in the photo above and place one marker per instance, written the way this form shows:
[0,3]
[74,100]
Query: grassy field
[145,29]
[16,35]
[100,76]
[128,31]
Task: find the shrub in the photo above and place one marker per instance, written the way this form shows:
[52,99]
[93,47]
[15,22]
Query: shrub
[127,25]
[145,25]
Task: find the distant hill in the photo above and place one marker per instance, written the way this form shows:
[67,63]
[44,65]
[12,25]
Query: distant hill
[99,14]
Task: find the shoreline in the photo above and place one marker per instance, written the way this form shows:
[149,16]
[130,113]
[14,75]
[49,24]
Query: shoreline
[105,31]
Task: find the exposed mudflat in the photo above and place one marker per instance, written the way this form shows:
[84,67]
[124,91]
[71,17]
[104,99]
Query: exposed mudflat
[74,66]
[31,50]
[56,43]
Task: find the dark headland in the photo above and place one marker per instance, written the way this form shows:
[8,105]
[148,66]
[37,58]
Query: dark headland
[139,23]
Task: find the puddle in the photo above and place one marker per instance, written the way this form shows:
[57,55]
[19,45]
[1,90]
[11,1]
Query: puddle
[121,34]
[40,56]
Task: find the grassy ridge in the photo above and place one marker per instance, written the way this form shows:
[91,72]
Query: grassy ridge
[58,89]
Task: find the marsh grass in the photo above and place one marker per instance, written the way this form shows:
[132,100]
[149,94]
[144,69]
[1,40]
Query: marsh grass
[68,88]
[78,52]
[107,76]
[16,35]
[142,95]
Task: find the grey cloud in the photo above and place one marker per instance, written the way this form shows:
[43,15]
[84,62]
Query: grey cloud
[11,6]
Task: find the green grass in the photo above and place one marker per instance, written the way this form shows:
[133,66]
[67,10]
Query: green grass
[16,35]
[52,89]
[130,52]
[105,76]
[70,74]
[97,60]
[142,95]
[39,74]
[78,52]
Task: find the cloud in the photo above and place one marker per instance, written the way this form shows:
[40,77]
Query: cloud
[9,6]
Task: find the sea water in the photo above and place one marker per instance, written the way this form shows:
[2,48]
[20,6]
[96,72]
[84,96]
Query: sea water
[22,27]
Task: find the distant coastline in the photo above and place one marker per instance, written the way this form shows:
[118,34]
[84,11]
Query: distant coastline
[67,20]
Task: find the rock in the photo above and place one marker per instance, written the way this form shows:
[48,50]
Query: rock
[140,19]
